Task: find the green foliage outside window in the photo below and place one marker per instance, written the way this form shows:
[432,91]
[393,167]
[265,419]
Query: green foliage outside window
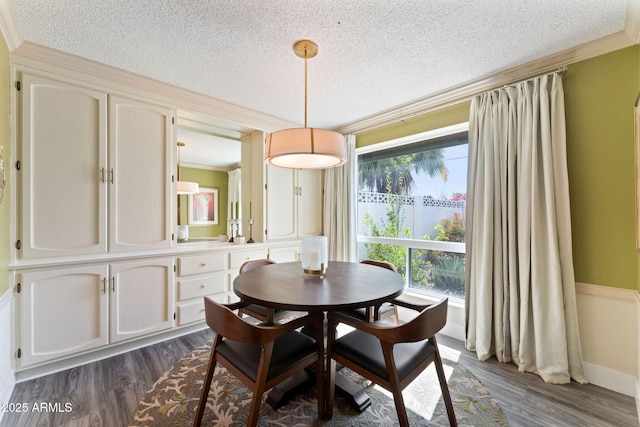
[430,270]
[392,226]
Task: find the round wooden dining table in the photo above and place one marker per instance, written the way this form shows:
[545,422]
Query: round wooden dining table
[345,285]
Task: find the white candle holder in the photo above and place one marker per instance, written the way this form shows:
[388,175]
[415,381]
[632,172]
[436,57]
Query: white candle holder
[250,229]
[314,255]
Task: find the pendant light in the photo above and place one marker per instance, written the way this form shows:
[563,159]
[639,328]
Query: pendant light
[185,187]
[305,148]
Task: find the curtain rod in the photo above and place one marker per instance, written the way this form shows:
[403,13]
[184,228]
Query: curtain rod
[562,71]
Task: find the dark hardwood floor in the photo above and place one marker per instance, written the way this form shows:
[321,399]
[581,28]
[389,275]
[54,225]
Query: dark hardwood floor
[528,401]
[106,393]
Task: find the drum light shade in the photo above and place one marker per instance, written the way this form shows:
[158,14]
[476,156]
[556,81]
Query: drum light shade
[185,187]
[305,148]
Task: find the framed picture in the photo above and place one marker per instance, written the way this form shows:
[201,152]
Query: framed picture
[203,207]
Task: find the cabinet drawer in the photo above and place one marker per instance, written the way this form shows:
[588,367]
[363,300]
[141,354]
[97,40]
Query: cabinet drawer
[194,311]
[201,286]
[239,257]
[201,263]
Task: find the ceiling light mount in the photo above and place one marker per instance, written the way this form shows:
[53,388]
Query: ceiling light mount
[305,148]
[306,49]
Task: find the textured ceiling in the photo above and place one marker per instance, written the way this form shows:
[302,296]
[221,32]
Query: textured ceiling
[373,54]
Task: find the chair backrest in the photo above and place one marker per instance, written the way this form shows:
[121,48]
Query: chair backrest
[425,325]
[255,263]
[383,264]
[227,324]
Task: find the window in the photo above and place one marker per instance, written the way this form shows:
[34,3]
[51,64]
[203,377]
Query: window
[411,204]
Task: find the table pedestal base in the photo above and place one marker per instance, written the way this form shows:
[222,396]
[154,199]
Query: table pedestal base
[352,392]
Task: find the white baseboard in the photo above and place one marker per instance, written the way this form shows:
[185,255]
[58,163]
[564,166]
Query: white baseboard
[7,374]
[454,331]
[612,380]
[110,351]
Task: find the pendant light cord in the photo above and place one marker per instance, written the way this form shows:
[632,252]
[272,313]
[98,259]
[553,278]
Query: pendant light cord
[305,86]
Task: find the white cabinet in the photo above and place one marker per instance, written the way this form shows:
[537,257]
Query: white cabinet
[285,253]
[62,155]
[140,148]
[239,257]
[141,298]
[61,312]
[200,276]
[294,203]
[68,169]
[71,310]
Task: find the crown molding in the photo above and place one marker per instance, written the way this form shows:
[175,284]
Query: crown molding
[632,22]
[37,57]
[467,90]
[9,26]
[211,168]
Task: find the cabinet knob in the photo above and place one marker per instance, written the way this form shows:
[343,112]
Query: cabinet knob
[203,286]
[203,264]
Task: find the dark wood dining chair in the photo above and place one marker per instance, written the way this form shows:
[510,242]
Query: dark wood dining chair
[257,311]
[386,310]
[390,356]
[261,355]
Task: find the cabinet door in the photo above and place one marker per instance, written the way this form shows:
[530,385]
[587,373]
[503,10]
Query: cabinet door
[281,203]
[62,190]
[62,312]
[141,298]
[285,254]
[309,203]
[140,175]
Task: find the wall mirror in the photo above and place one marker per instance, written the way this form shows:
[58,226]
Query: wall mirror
[212,149]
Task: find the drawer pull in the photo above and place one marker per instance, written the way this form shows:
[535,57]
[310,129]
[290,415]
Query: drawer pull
[203,264]
[203,286]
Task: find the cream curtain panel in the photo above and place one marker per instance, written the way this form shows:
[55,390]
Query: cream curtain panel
[520,286]
[339,206]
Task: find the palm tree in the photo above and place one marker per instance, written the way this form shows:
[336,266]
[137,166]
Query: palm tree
[394,174]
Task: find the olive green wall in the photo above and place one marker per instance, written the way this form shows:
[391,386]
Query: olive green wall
[448,116]
[599,98]
[210,179]
[5,143]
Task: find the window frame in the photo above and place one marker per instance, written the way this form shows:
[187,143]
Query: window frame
[410,244]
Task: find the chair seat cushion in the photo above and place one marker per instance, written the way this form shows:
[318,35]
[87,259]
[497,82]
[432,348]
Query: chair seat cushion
[365,350]
[287,350]
[260,310]
[361,313]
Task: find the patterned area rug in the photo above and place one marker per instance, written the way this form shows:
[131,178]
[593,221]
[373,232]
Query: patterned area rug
[173,399]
